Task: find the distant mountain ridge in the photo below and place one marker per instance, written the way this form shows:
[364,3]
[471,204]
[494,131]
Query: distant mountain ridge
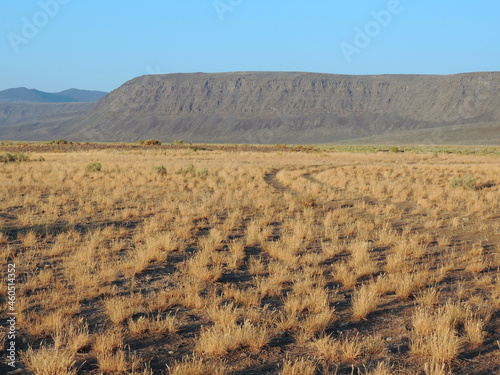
[286,107]
[15,113]
[87,96]
[24,95]
[283,107]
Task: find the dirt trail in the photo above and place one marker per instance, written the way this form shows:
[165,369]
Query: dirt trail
[272,181]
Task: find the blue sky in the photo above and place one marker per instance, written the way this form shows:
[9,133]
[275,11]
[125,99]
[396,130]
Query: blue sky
[53,45]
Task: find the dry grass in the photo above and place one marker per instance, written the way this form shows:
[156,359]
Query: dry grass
[196,366]
[119,362]
[120,308]
[436,368]
[49,361]
[275,255]
[298,367]
[365,301]
[153,326]
[107,342]
[474,328]
[435,332]
[348,349]
[220,340]
[381,369]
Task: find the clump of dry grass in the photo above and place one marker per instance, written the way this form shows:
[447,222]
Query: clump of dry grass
[360,259]
[434,335]
[224,316]
[298,367]
[107,341]
[247,297]
[365,301]
[285,321]
[344,274]
[313,324]
[348,349]
[188,292]
[442,346]
[219,340]
[474,328]
[197,366]
[381,369]
[119,362]
[327,348]
[428,298]
[204,266]
[154,326]
[75,338]
[119,309]
[436,368]
[49,361]
[314,300]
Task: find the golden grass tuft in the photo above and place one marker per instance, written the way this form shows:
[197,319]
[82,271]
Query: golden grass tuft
[107,341]
[364,301]
[346,349]
[220,340]
[119,309]
[197,366]
[153,326]
[49,361]
[119,362]
[298,367]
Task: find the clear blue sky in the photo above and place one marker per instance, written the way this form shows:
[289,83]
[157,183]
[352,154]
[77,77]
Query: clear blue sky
[100,44]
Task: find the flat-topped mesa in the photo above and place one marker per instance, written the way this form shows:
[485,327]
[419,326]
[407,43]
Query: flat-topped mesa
[286,107]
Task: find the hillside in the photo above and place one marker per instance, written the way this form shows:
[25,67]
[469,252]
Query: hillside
[487,133]
[287,107]
[24,95]
[281,107]
[88,96]
[14,113]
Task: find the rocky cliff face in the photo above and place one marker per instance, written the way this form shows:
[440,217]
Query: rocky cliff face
[259,107]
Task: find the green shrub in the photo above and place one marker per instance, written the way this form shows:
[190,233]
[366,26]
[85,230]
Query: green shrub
[394,149]
[9,158]
[160,169]
[41,158]
[152,142]
[190,169]
[61,142]
[93,167]
[466,181]
[194,148]
[178,142]
[202,173]
[141,141]
[21,157]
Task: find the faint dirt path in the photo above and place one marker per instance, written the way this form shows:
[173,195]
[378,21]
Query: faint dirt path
[272,181]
